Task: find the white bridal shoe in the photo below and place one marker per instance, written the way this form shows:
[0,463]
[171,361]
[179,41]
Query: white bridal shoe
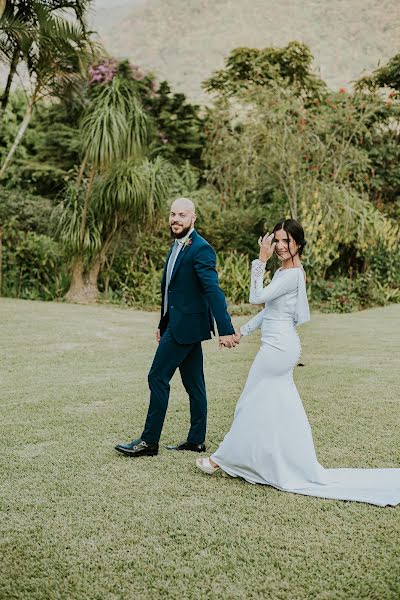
[204,465]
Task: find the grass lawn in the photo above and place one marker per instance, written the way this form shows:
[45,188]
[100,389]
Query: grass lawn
[79,521]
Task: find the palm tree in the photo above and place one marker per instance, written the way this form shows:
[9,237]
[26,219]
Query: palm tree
[122,186]
[20,22]
[15,40]
[60,53]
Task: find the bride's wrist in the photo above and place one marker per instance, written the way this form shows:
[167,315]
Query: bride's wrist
[262,258]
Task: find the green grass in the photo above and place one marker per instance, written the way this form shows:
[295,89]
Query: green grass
[79,521]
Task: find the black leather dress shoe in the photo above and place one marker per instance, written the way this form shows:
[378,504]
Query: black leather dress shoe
[188,446]
[137,448]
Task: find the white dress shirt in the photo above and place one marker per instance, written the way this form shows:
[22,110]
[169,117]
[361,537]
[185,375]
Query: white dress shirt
[170,268]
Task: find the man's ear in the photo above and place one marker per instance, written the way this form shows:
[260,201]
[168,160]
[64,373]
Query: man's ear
[194,219]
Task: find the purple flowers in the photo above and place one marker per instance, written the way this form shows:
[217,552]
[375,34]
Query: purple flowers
[103,72]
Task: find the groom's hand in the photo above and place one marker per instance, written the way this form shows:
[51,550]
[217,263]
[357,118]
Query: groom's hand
[228,341]
[158,336]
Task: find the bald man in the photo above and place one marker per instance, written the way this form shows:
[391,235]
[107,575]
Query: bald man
[191,301]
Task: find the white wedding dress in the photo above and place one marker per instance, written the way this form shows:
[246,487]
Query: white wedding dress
[270,441]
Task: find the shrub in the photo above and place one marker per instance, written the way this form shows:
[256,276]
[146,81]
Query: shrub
[33,266]
[142,288]
[345,294]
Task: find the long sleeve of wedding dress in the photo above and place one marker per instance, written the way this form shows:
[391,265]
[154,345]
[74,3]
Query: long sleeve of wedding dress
[252,325]
[277,287]
[287,287]
[270,441]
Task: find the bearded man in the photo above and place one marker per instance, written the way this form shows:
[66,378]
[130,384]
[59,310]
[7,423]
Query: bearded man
[191,301]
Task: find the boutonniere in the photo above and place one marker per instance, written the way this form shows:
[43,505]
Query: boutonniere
[187,243]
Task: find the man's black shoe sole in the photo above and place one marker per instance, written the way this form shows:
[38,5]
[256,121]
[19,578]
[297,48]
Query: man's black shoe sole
[133,454]
[173,449]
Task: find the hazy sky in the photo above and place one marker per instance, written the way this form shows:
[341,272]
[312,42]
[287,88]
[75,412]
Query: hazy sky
[109,12]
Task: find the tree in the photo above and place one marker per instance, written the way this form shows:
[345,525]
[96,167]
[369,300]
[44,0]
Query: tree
[272,139]
[15,40]
[383,138]
[49,152]
[179,125]
[289,66]
[118,184]
[20,23]
[180,128]
[57,58]
[387,76]
[269,143]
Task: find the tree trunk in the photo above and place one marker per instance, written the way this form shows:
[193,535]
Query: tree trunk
[92,276]
[77,284]
[86,205]
[109,264]
[20,134]
[83,288]
[13,67]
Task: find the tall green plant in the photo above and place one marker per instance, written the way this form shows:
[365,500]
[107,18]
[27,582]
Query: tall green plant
[290,66]
[269,139]
[59,53]
[20,25]
[117,184]
[269,143]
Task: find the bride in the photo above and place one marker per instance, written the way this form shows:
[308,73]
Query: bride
[270,441]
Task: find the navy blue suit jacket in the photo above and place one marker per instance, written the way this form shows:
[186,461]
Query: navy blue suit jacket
[194,296]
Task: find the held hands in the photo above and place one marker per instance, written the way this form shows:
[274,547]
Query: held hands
[225,341]
[267,247]
[230,341]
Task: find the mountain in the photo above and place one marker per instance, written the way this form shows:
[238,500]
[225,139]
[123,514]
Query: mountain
[184,41]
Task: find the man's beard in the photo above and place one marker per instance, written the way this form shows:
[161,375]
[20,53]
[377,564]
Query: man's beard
[178,236]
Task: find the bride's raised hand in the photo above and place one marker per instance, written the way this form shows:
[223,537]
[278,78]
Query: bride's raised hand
[267,246]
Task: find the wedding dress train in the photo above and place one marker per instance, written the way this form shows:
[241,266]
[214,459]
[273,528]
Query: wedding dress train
[270,441]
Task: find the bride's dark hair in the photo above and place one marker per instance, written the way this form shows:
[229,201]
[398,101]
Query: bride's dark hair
[293,228]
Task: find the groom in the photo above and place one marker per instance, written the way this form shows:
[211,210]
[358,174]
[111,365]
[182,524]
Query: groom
[191,300]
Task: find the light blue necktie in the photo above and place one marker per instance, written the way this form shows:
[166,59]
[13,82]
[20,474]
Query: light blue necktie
[170,267]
